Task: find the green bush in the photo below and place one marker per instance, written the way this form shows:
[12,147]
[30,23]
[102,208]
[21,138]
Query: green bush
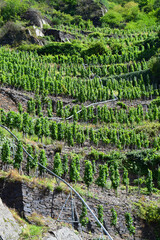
[12,9]
[122,105]
[61,48]
[154,65]
[112,19]
[149,211]
[97,48]
[61,18]
[28,47]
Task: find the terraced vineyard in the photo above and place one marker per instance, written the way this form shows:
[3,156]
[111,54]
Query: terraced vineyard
[89,109]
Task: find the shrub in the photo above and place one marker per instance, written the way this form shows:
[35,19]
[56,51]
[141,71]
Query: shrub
[114,217]
[154,65]
[97,48]
[61,48]
[122,105]
[100,214]
[28,47]
[12,9]
[149,211]
[129,223]
[83,217]
[57,169]
[112,19]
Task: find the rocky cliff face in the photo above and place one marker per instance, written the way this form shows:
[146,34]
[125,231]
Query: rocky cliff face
[89,9]
[9,229]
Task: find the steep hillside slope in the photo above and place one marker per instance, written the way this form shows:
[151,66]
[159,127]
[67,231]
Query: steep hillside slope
[79,88]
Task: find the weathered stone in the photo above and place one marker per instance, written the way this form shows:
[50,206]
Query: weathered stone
[9,229]
[15,35]
[66,234]
[59,35]
[35,18]
[90,9]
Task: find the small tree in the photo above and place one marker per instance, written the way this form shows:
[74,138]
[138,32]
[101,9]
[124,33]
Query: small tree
[46,129]
[125,179]
[57,169]
[38,128]
[158,178]
[113,217]
[29,159]
[129,223]
[20,108]
[43,161]
[77,160]
[83,219]
[70,137]
[25,123]
[65,165]
[74,173]
[101,180]
[100,214]
[88,173]
[115,178]
[60,131]
[18,156]
[149,181]
[94,166]
[49,108]
[54,131]
[5,154]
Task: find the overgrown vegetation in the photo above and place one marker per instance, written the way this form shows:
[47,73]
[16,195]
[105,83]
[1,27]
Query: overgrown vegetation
[92,114]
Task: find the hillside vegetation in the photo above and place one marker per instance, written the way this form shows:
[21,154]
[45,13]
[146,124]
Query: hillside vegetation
[80,88]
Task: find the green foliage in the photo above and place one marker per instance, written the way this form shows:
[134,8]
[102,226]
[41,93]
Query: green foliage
[100,213]
[58,169]
[154,65]
[101,180]
[115,176]
[129,223]
[122,105]
[61,48]
[112,19]
[83,217]
[65,164]
[12,9]
[149,181]
[125,179]
[74,173]
[88,173]
[18,158]
[43,161]
[148,211]
[129,15]
[97,48]
[20,108]
[5,153]
[29,159]
[59,17]
[158,178]
[113,217]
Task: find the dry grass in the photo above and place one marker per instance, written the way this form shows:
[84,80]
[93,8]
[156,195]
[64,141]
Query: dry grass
[37,219]
[15,214]
[13,175]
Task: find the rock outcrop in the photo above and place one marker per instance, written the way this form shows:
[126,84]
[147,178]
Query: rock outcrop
[62,234]
[35,18]
[14,35]
[9,229]
[58,35]
[89,9]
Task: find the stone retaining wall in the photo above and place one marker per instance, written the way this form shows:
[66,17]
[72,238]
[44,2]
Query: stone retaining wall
[30,198]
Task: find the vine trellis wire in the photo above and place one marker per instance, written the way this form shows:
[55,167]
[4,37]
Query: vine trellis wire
[66,183]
